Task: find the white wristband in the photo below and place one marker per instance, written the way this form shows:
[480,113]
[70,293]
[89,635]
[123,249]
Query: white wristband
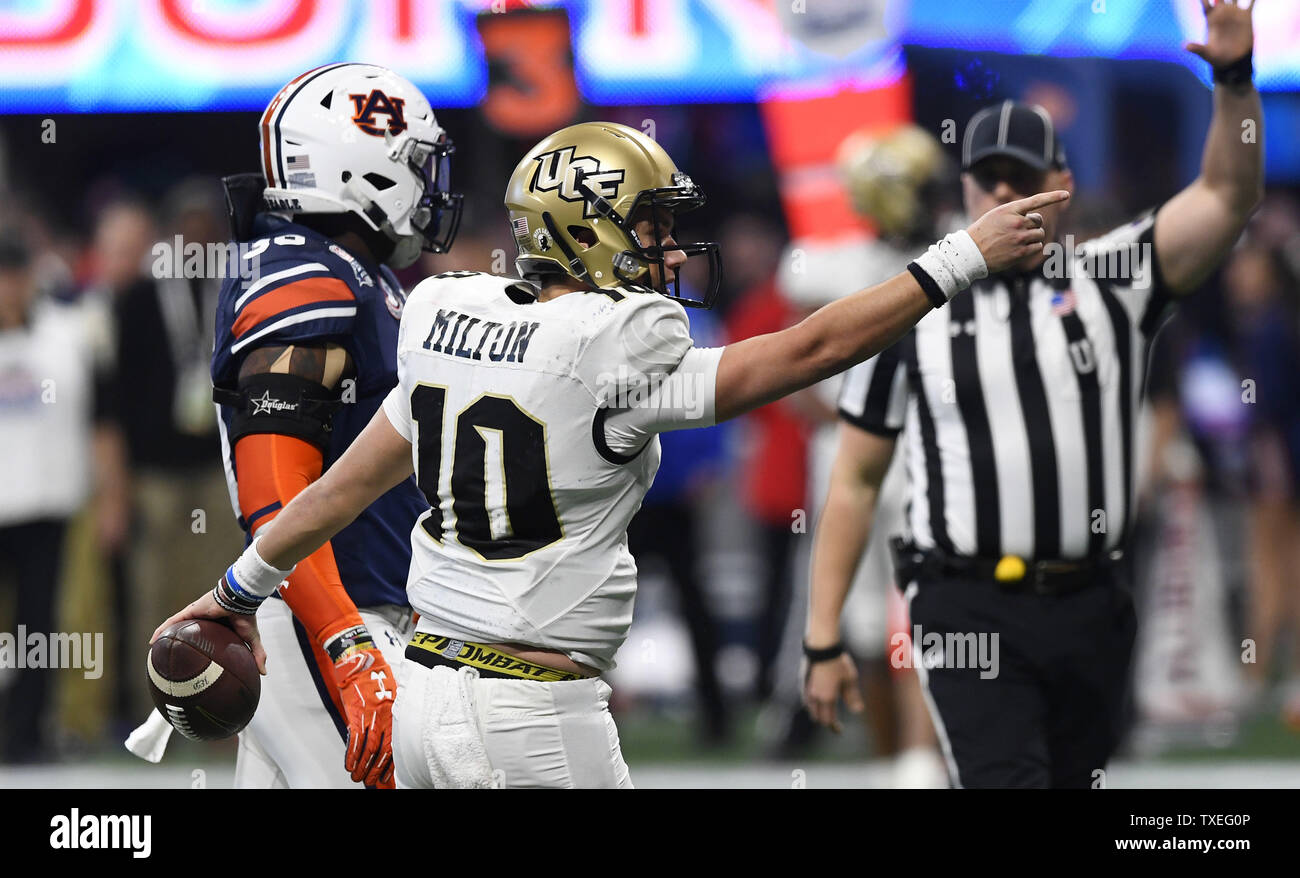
[953,263]
[254,576]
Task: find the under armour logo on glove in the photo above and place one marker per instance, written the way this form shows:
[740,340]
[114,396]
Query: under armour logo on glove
[381,692]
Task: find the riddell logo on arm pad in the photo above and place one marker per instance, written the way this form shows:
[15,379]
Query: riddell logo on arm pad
[77,831]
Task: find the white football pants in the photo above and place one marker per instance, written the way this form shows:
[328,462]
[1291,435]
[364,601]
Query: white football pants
[534,734]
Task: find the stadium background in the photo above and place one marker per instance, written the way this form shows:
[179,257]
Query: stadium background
[146,104]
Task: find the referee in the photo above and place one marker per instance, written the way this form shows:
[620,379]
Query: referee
[1018,404]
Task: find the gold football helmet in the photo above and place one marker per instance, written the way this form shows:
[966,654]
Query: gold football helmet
[887,174]
[574,202]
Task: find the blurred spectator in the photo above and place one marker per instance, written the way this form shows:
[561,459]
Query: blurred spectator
[54,254]
[124,232]
[162,395]
[1227,373]
[774,477]
[751,250]
[52,405]
[1265,343]
[668,529]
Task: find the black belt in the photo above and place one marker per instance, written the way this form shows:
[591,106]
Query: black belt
[1010,572]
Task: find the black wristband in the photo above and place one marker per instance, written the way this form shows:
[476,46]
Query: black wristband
[233,601]
[824,654]
[1239,72]
[928,285]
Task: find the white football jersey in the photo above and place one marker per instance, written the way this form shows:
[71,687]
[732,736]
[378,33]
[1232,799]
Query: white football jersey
[532,426]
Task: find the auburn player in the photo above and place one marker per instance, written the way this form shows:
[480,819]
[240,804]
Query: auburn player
[354,170]
[529,412]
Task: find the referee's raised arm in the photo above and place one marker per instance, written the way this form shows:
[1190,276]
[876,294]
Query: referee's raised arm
[1197,227]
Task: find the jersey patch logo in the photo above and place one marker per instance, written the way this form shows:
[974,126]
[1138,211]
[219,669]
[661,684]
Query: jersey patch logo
[395,299]
[363,276]
[377,102]
[559,169]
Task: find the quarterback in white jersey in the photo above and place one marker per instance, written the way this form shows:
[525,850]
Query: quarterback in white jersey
[531,480]
[528,411]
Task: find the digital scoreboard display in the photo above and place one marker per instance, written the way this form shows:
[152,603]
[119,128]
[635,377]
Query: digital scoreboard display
[158,55]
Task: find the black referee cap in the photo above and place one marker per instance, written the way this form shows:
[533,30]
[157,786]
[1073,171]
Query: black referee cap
[1011,128]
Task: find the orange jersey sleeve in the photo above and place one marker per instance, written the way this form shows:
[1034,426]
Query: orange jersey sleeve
[272,470]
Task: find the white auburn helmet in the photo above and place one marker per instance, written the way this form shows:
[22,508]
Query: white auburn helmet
[357,138]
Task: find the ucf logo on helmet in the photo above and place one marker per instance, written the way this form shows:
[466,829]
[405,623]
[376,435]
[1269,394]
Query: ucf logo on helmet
[559,169]
[378,102]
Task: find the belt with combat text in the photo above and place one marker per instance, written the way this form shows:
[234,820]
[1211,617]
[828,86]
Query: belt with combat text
[433,650]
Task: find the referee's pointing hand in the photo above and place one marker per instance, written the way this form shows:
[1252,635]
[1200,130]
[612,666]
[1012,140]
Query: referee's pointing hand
[1013,231]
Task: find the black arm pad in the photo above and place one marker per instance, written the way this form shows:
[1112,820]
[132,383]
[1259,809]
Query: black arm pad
[276,402]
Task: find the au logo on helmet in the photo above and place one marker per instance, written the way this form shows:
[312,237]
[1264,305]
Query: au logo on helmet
[367,105]
[559,169]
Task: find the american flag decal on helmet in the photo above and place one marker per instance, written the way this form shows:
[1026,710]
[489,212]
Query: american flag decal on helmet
[520,226]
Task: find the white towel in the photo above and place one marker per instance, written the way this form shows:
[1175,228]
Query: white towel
[453,740]
[149,741]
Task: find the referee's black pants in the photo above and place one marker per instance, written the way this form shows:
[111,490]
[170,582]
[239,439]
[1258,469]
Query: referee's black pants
[1046,708]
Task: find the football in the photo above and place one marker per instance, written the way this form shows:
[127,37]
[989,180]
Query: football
[203,679]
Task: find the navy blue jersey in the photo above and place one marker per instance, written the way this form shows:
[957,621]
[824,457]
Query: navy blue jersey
[308,290]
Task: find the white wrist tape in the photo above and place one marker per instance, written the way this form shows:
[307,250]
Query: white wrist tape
[953,263]
[255,576]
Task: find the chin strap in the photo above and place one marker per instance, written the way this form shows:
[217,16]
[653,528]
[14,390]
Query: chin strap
[406,250]
[576,267]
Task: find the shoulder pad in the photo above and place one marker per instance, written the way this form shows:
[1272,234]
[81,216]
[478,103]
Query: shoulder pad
[647,331]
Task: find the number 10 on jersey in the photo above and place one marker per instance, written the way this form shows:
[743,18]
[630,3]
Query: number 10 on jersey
[500,478]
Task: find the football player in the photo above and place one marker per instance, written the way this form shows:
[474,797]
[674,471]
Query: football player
[354,183]
[528,411]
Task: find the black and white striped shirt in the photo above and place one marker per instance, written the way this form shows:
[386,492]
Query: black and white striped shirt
[1020,400]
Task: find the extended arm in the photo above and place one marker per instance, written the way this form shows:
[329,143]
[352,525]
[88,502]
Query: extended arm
[846,332]
[1196,227]
[378,460]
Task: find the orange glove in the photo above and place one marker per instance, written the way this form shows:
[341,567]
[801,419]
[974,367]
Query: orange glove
[366,688]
